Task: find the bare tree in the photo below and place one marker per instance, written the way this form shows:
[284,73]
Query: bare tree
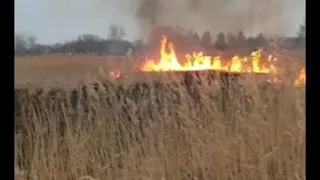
[116,32]
[302,33]
[221,42]
[32,41]
[206,39]
[89,37]
[261,40]
[232,41]
[20,44]
[241,39]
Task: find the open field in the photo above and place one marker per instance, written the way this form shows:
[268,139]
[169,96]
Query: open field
[163,135]
[70,71]
[65,71]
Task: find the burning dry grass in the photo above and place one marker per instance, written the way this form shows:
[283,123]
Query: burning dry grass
[160,136]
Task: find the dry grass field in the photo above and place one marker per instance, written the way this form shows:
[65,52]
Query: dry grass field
[65,71]
[179,140]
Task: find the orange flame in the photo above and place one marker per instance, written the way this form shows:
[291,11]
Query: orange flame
[197,61]
[301,80]
[115,74]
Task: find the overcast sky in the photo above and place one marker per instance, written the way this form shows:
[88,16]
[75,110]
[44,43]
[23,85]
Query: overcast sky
[59,20]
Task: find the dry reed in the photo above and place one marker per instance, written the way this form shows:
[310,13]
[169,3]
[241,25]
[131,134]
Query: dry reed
[179,139]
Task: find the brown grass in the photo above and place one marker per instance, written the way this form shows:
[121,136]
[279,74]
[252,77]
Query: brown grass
[183,141]
[66,71]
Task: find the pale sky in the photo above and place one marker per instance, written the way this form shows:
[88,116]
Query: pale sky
[52,21]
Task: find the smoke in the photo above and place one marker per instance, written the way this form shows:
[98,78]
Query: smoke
[272,17]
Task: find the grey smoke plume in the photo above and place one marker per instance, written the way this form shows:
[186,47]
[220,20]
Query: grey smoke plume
[272,17]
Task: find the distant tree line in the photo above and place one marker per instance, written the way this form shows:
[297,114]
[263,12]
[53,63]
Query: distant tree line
[228,41]
[86,43]
[116,45]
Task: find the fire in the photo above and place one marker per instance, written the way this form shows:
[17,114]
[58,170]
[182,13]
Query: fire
[301,80]
[197,61]
[115,74]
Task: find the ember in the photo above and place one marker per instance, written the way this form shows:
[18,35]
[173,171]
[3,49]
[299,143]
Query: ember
[115,74]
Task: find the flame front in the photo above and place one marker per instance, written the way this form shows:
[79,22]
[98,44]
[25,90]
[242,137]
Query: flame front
[197,61]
